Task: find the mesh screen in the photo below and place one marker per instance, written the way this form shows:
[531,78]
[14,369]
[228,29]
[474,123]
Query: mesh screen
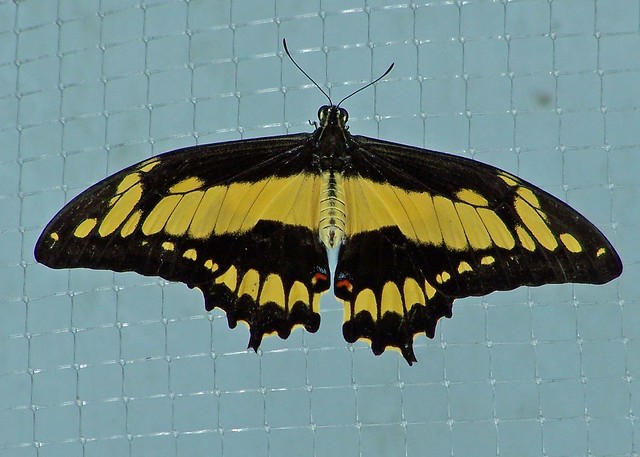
[95,363]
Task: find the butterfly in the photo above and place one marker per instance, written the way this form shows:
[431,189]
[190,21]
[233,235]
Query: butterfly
[252,224]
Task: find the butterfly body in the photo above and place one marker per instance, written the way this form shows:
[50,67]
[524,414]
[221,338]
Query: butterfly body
[249,223]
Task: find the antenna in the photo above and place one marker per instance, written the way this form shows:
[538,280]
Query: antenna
[286,49]
[368,85]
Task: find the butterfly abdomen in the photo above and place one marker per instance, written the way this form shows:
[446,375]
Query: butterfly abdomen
[332,217]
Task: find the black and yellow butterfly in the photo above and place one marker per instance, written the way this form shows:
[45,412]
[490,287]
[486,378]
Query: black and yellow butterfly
[250,223]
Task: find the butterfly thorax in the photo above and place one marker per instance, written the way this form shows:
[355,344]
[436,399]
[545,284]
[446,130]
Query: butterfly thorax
[332,142]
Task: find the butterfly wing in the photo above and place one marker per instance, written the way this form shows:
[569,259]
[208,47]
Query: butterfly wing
[239,221]
[224,218]
[426,227]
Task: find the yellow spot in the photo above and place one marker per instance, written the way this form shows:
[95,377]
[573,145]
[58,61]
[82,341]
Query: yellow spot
[412,292]
[157,218]
[120,211]
[423,226]
[85,228]
[391,299]
[443,277]
[190,254]
[499,232]
[54,236]
[186,185]
[366,301]
[429,289]
[204,220]
[509,179]
[148,165]
[210,265]
[474,228]
[450,225]
[472,197]
[127,182]
[273,291]
[168,246]
[182,215]
[464,266]
[315,305]
[535,224]
[570,242]
[601,252]
[298,293]
[249,285]
[229,278]
[525,239]
[131,224]
[528,196]
[487,260]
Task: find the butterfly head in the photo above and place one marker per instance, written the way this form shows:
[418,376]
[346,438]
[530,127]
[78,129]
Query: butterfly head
[333,116]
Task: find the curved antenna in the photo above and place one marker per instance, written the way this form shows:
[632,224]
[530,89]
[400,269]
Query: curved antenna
[368,85]
[286,49]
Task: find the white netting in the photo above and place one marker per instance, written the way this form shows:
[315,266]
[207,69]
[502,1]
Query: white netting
[95,363]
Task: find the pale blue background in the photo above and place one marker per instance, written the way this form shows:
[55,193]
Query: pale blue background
[94,363]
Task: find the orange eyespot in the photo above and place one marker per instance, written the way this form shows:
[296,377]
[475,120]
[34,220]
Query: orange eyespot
[318,278]
[344,284]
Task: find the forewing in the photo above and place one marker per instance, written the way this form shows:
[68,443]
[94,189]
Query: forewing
[235,220]
[424,228]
